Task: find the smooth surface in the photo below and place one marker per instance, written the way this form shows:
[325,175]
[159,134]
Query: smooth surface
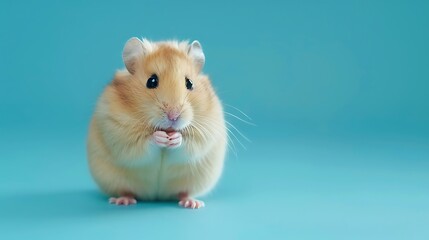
[300,189]
[338,91]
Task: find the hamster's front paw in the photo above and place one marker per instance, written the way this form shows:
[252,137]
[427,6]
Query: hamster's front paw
[175,139]
[170,140]
[160,138]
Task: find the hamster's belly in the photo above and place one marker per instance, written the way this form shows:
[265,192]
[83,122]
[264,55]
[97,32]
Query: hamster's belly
[163,175]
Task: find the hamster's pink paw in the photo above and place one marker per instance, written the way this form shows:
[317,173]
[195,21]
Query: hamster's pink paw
[123,200]
[191,203]
[160,138]
[170,140]
[175,139]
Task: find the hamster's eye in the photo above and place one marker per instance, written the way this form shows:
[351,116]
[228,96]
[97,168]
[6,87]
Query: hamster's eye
[189,84]
[152,82]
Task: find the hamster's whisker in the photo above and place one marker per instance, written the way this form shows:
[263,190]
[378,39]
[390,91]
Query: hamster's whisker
[247,116]
[209,120]
[235,116]
[157,99]
[213,128]
[238,140]
[154,97]
[216,125]
[197,126]
[241,134]
[192,132]
[230,143]
[228,129]
[184,99]
[186,131]
[206,131]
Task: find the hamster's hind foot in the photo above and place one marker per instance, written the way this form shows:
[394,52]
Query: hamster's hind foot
[124,200]
[191,203]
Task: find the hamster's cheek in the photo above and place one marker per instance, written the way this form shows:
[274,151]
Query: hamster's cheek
[151,116]
[188,113]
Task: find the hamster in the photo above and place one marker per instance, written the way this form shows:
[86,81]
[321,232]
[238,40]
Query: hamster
[158,131]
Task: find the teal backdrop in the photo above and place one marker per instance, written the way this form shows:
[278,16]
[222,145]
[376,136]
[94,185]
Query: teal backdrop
[337,92]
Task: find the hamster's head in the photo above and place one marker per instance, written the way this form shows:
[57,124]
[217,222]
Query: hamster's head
[164,89]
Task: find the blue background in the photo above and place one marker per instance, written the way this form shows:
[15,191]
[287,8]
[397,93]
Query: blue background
[338,92]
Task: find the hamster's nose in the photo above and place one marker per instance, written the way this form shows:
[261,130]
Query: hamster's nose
[173,115]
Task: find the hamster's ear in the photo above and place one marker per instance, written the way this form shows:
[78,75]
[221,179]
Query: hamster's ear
[196,53]
[133,50]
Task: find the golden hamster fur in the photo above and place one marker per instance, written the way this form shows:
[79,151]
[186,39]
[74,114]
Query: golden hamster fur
[158,131]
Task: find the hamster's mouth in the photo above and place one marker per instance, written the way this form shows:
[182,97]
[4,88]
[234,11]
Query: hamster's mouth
[168,130]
